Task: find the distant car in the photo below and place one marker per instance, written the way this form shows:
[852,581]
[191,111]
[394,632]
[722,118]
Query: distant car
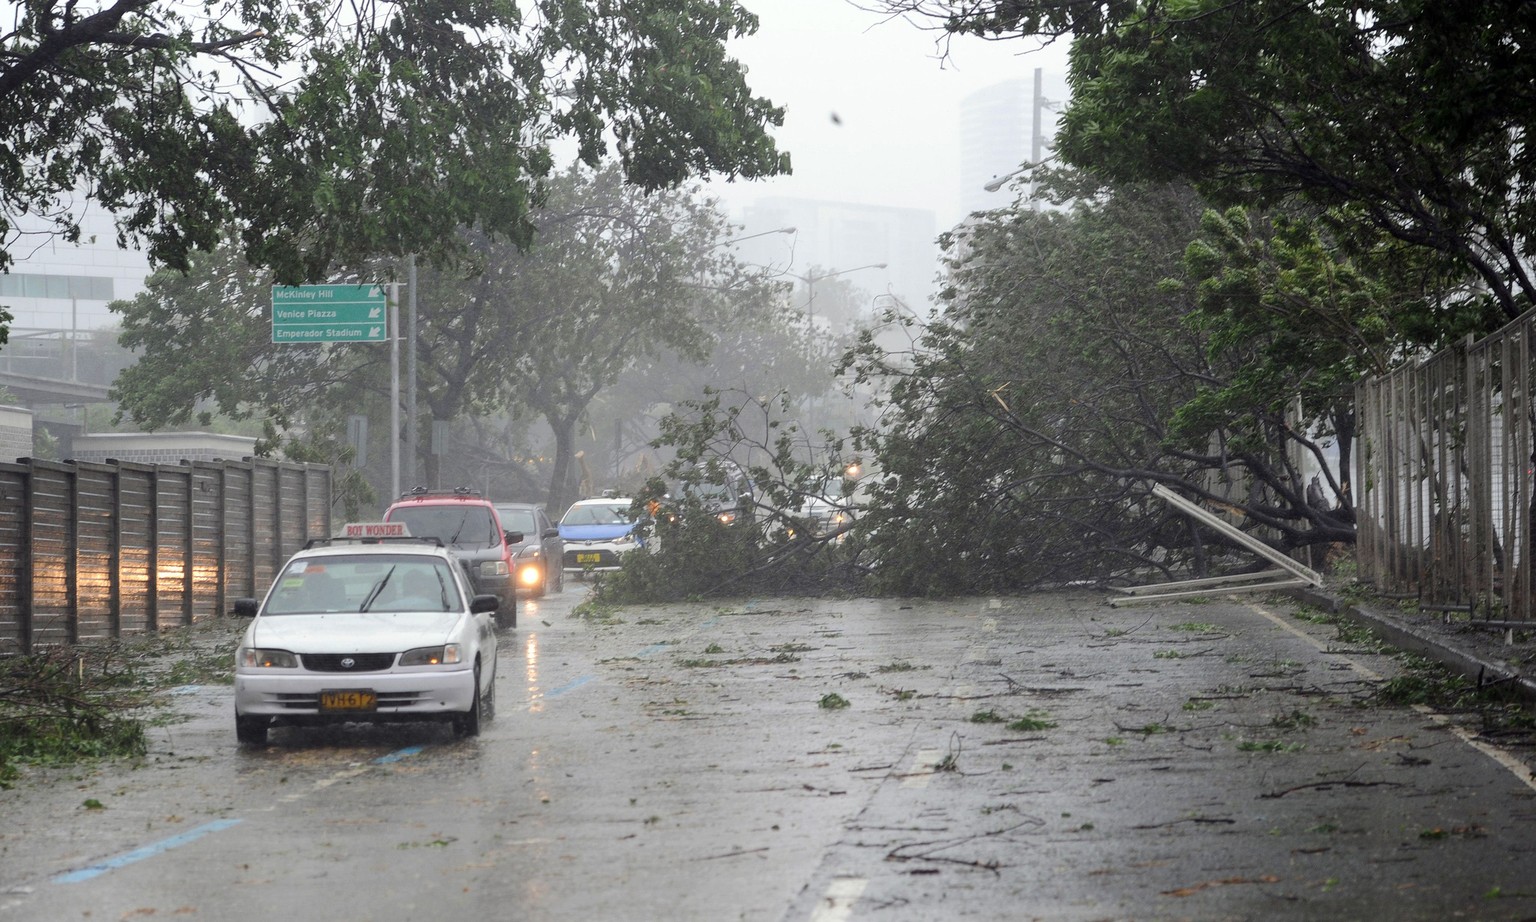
[597,533]
[831,507]
[468,525]
[538,560]
[378,632]
[728,495]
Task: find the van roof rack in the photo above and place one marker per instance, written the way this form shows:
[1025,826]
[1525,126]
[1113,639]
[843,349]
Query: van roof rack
[419,492]
[376,539]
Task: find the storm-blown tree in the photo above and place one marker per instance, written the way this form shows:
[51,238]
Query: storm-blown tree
[1068,375]
[328,136]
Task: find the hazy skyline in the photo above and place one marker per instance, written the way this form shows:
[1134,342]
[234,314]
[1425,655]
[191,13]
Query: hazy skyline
[872,113]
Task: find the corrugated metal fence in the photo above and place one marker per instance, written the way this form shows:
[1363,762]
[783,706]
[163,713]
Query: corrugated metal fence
[92,551]
[1445,482]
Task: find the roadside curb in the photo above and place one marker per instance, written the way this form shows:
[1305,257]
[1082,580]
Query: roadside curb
[1479,667]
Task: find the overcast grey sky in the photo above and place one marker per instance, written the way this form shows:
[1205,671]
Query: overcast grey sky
[897,104]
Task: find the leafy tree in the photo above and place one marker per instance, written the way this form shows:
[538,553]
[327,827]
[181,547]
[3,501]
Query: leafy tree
[1406,117]
[615,278]
[329,136]
[772,547]
[1311,319]
[618,279]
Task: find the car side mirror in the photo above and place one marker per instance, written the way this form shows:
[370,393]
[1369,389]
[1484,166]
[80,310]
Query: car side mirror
[245,608]
[551,533]
[483,603]
[513,537]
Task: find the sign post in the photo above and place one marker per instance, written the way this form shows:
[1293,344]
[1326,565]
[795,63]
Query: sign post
[328,314]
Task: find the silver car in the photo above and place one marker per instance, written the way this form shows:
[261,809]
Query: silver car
[383,631]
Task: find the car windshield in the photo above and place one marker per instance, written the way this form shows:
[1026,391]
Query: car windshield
[710,491]
[598,514]
[365,582]
[517,520]
[456,524]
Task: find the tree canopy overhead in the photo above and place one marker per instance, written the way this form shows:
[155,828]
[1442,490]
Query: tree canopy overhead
[328,134]
[1414,116]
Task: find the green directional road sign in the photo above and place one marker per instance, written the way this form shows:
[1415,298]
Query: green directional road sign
[328,314]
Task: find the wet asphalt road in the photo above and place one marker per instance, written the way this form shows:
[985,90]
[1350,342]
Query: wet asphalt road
[1034,758]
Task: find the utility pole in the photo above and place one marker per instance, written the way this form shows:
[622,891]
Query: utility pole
[411,433]
[1037,143]
[394,389]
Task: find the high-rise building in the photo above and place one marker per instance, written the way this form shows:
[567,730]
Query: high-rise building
[55,285]
[57,293]
[846,238]
[1001,127]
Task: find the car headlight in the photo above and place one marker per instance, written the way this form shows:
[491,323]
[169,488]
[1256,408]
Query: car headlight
[254,658]
[493,568]
[626,538]
[446,655]
[726,518]
[531,575]
[530,550]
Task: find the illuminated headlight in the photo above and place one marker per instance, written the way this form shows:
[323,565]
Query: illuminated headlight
[530,575]
[252,658]
[530,550]
[493,568]
[446,655]
[726,518]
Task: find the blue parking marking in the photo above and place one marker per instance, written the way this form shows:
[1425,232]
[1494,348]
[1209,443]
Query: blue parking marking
[399,754]
[653,649]
[148,851]
[572,685]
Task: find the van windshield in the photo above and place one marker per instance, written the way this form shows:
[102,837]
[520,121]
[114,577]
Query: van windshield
[458,525]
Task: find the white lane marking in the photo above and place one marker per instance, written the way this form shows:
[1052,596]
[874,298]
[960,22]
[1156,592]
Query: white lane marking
[836,905]
[320,785]
[1511,764]
[922,768]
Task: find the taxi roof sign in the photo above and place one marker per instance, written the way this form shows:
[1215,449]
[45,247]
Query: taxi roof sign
[374,530]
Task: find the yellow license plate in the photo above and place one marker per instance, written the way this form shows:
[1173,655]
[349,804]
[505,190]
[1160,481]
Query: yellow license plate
[588,558]
[349,700]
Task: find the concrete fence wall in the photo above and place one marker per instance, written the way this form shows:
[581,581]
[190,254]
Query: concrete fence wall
[90,551]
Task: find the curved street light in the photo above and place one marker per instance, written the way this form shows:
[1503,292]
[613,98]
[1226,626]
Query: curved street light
[997,182]
[766,233]
[810,285]
[776,230]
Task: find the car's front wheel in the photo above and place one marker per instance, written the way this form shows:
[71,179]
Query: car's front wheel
[506,612]
[468,723]
[251,731]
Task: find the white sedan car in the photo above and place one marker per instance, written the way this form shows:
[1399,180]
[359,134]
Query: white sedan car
[366,632]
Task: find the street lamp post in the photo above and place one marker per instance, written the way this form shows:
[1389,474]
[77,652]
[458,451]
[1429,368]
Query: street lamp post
[810,281]
[810,287]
